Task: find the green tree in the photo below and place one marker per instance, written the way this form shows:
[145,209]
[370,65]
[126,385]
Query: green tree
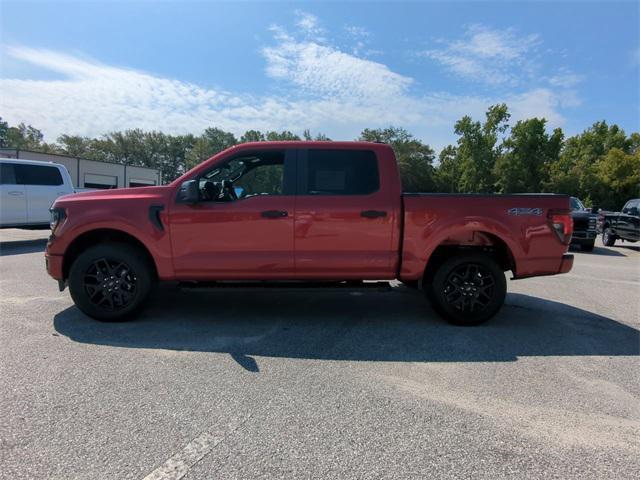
[478,148]
[415,159]
[75,145]
[4,132]
[281,136]
[252,136]
[321,137]
[577,171]
[449,170]
[212,141]
[528,153]
[619,174]
[23,137]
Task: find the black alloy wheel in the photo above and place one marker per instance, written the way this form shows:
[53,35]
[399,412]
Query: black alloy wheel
[110,284]
[111,281]
[468,289]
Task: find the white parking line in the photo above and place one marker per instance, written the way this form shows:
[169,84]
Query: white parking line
[179,464]
[600,279]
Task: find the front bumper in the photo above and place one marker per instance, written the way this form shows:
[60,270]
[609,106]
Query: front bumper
[566,263]
[53,264]
[584,235]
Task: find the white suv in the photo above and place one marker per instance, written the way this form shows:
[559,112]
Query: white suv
[27,190]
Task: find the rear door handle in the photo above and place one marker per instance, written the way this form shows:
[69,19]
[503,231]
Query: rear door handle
[373,213]
[15,193]
[274,213]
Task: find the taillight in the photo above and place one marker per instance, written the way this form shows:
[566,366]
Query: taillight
[561,223]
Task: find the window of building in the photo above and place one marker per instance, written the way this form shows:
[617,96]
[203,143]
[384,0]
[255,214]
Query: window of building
[136,182]
[342,172]
[103,182]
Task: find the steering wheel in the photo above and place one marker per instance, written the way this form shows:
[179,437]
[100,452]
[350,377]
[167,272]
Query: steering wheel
[227,192]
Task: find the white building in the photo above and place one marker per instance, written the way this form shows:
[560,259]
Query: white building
[90,173]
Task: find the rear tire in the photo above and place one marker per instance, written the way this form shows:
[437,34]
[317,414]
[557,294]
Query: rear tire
[468,290]
[110,281]
[608,238]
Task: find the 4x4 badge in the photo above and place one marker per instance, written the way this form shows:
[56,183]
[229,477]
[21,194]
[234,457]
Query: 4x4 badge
[525,211]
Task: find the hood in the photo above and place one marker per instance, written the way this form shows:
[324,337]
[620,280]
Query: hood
[113,194]
[582,214]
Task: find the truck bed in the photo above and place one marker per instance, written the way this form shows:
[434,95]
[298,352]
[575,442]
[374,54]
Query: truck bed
[518,222]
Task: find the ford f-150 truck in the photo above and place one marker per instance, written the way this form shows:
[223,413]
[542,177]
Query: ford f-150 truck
[307,212]
[624,225]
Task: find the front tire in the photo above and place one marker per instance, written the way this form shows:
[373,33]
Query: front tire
[468,290]
[110,282]
[608,238]
[587,247]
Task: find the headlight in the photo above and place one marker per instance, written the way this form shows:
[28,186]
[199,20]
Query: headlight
[57,215]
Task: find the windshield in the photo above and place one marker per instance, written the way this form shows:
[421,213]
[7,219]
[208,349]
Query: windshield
[576,204]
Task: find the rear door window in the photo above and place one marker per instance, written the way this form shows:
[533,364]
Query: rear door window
[340,172]
[7,174]
[38,175]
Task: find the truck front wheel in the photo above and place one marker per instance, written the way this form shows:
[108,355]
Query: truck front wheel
[110,281]
[608,238]
[468,290]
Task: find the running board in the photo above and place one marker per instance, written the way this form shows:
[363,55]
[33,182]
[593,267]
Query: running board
[352,286]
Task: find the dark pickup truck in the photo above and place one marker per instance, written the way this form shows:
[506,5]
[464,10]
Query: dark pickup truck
[624,225]
[584,225]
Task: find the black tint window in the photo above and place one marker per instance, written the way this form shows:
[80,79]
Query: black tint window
[7,174]
[342,172]
[38,175]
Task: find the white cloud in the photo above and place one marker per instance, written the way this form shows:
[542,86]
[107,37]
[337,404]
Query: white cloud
[357,32]
[325,70]
[327,90]
[565,78]
[308,24]
[488,56]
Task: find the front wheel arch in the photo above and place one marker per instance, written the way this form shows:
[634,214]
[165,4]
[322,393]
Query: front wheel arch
[99,236]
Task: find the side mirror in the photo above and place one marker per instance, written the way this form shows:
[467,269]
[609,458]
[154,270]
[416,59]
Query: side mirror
[626,210]
[189,192]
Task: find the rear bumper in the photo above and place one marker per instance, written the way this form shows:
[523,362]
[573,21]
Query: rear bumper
[566,263]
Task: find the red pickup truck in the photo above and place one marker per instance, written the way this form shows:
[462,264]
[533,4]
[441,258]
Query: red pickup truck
[322,213]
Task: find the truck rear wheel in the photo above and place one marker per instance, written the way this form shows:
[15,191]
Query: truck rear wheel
[468,290]
[110,281]
[608,238]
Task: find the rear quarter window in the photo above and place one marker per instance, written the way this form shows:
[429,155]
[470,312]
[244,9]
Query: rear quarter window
[38,175]
[341,172]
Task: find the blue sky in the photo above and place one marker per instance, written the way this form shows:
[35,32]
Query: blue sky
[89,68]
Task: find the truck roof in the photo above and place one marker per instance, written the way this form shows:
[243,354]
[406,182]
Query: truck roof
[330,144]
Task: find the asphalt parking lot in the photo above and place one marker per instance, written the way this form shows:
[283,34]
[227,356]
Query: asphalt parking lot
[234,384]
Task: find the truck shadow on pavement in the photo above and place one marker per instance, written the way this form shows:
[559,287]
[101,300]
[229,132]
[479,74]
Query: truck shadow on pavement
[398,326]
[19,247]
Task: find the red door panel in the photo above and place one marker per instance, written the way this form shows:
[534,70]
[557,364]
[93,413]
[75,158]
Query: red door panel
[233,240]
[344,236]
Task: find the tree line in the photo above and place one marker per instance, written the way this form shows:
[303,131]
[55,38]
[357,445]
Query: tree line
[601,165]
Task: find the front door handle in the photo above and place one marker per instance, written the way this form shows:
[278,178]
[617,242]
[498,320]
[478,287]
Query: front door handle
[373,213]
[274,213]
[16,193]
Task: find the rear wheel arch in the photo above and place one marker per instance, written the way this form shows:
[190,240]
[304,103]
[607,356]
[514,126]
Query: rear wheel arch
[101,236]
[486,244]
